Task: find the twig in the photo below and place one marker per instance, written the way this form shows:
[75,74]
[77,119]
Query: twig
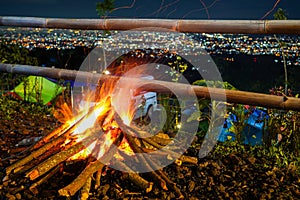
[73,187]
[81,179]
[98,177]
[139,181]
[171,184]
[84,193]
[42,180]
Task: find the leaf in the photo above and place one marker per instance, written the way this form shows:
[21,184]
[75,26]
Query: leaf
[105,7]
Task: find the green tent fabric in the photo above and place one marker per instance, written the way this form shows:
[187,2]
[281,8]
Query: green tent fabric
[38,89]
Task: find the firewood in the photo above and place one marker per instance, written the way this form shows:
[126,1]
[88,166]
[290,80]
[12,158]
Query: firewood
[135,177]
[156,138]
[189,159]
[59,157]
[57,132]
[44,145]
[98,177]
[171,184]
[132,143]
[35,154]
[161,177]
[84,193]
[182,158]
[160,140]
[91,168]
[67,127]
[158,179]
[33,187]
[139,181]
[169,153]
[35,162]
[81,179]
[149,164]
[59,147]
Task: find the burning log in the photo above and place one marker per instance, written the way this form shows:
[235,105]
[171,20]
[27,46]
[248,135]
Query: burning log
[52,164]
[58,158]
[44,145]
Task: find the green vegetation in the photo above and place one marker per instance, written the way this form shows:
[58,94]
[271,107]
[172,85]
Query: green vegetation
[105,7]
[282,15]
[11,109]
[16,54]
[13,54]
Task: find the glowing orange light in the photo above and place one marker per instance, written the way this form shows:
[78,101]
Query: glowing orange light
[87,115]
[84,153]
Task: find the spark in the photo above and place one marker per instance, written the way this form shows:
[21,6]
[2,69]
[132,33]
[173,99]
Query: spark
[272,9]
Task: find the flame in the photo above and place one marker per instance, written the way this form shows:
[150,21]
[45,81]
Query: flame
[85,121]
[84,153]
[100,107]
[124,147]
[109,139]
[90,118]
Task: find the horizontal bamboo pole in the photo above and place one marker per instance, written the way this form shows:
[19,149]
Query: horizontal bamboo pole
[232,96]
[180,25]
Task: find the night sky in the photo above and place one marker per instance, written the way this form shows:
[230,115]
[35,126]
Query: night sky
[183,9]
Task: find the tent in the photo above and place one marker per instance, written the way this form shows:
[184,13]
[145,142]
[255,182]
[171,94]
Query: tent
[37,89]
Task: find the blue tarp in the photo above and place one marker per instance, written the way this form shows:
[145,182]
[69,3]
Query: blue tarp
[252,133]
[226,133]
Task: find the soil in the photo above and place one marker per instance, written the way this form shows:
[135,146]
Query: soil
[234,176]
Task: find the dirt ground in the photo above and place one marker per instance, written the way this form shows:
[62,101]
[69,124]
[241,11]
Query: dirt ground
[234,176]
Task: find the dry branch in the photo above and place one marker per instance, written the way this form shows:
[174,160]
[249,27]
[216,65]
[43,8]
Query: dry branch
[42,147]
[139,181]
[84,193]
[59,157]
[84,176]
[33,187]
[171,184]
[79,182]
[135,178]
[187,159]
[180,25]
[35,154]
[98,177]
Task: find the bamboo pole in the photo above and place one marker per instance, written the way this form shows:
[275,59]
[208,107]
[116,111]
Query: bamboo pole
[232,96]
[180,25]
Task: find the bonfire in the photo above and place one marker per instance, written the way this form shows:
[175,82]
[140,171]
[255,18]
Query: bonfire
[101,137]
